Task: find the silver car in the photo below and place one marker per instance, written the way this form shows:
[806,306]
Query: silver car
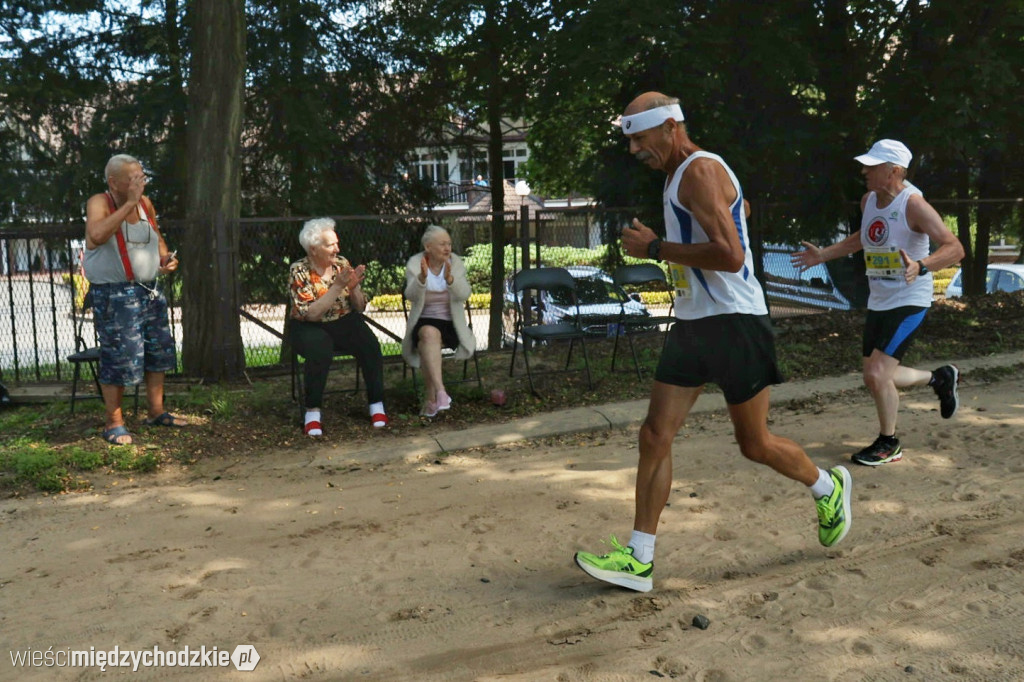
[998,277]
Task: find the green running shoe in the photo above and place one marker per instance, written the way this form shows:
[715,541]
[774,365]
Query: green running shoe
[618,567]
[834,510]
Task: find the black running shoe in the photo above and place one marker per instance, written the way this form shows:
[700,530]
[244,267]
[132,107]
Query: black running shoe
[945,382]
[882,451]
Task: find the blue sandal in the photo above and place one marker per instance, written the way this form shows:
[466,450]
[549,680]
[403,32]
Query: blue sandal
[113,433]
[166,419]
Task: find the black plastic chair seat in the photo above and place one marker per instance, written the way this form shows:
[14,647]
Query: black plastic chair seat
[87,355]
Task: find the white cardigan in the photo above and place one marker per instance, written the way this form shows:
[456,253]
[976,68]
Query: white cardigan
[458,292]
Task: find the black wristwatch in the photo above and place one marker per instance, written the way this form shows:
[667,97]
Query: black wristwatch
[924,268]
[654,249]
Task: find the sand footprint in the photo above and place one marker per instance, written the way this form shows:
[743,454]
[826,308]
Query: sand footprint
[754,643]
[862,647]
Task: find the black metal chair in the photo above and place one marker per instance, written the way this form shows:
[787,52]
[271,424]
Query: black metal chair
[446,353]
[533,326]
[630,277]
[86,354]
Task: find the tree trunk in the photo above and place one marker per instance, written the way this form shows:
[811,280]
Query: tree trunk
[963,228]
[178,128]
[495,91]
[212,347]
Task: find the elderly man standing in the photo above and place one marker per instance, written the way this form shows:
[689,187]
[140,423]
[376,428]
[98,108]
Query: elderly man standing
[124,254]
[723,335]
[896,226]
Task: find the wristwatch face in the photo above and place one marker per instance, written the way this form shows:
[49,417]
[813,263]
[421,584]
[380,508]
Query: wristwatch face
[653,249]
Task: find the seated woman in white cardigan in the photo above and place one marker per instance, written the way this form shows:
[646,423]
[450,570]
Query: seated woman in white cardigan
[437,287]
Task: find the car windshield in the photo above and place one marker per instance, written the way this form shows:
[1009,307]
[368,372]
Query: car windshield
[590,292]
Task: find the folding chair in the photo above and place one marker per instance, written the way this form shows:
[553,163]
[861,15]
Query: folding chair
[629,277]
[86,354]
[534,324]
[447,353]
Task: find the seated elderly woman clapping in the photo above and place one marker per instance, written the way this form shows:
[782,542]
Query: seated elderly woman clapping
[326,307]
[437,287]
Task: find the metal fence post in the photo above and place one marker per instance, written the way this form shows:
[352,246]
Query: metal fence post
[524,234]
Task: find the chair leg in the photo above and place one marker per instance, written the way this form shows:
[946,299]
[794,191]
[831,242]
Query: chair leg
[295,363]
[636,359]
[615,351]
[476,365]
[515,344]
[74,385]
[94,370]
[529,376]
[586,363]
[299,389]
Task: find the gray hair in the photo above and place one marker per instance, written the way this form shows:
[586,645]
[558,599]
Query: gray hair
[431,233]
[901,172]
[313,230]
[116,163]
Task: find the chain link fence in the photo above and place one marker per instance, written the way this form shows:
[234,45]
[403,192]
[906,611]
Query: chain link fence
[42,290]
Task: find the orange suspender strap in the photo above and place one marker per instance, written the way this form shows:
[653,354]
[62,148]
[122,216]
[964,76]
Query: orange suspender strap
[122,248]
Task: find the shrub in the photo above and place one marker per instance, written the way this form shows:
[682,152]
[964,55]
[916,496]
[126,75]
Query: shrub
[656,297]
[480,301]
[387,302]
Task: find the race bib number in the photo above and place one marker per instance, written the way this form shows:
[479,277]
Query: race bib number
[883,262]
[677,274]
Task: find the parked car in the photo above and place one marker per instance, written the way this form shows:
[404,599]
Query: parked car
[998,277]
[784,283]
[600,299]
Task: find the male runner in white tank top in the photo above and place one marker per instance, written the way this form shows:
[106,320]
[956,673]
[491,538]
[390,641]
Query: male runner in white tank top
[723,335]
[895,230]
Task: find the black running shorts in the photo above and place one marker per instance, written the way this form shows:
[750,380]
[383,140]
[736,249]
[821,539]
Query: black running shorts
[736,351]
[892,331]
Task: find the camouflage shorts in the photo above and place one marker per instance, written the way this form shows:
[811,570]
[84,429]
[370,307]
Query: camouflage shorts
[135,336]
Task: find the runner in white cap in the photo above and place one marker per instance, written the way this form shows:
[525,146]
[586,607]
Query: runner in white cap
[895,231]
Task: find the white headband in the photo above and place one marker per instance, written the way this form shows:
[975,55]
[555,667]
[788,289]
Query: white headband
[650,118]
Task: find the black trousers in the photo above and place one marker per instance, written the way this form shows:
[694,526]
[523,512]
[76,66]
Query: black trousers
[319,342]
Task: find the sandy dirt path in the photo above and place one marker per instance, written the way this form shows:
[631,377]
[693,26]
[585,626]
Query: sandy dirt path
[461,568]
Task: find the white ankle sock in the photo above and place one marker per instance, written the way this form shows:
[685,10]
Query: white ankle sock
[823,486]
[313,416]
[377,408]
[643,546]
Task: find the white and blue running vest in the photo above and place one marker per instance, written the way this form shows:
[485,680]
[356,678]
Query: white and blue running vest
[712,292]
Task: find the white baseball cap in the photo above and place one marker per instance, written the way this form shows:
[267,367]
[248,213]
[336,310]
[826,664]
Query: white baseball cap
[886,151]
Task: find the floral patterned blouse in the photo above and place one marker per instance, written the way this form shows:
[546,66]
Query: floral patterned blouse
[306,286]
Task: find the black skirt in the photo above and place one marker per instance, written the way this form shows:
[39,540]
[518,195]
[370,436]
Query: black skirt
[449,339]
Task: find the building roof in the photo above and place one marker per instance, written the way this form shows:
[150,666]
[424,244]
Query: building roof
[480,200]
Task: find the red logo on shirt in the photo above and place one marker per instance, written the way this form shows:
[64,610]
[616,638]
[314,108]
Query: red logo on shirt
[878,231]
